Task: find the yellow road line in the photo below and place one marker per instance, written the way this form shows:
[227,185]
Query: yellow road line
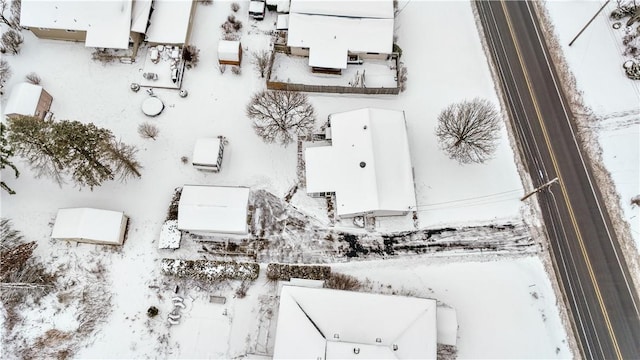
[563,188]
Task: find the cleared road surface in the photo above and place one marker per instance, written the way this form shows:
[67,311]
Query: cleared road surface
[593,274]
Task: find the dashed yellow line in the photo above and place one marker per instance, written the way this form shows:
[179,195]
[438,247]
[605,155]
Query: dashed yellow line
[563,188]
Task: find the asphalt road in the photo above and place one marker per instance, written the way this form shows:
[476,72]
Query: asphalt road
[593,275]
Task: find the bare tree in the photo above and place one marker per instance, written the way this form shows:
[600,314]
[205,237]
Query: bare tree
[402,76]
[11,41]
[22,276]
[6,152]
[279,116]
[468,131]
[148,131]
[33,78]
[13,21]
[262,60]
[5,74]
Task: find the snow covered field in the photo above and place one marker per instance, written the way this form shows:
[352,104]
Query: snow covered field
[506,307]
[596,60]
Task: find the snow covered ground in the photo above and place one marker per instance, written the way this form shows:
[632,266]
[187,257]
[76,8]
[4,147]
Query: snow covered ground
[495,300]
[596,60]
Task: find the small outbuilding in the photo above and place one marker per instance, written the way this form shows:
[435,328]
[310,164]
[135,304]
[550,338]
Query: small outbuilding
[90,225]
[207,153]
[29,100]
[229,52]
[211,210]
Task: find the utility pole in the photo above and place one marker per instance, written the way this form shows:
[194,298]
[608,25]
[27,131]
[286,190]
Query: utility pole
[538,189]
[594,16]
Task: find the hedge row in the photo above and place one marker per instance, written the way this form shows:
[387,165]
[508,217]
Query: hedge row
[210,270]
[286,272]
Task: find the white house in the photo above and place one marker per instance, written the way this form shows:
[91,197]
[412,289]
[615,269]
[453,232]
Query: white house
[368,165]
[101,24]
[334,33]
[171,22]
[29,100]
[214,209]
[316,323]
[90,225]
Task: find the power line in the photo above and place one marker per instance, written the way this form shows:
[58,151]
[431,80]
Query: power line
[473,201]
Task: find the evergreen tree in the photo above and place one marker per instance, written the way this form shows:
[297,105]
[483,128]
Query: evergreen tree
[5,153]
[88,154]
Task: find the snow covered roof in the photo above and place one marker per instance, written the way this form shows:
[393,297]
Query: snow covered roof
[23,99]
[140,15]
[217,209]
[90,225]
[256,6]
[318,323]
[447,325]
[378,9]
[169,22]
[229,50]
[329,38]
[283,6]
[107,22]
[206,151]
[282,23]
[368,165]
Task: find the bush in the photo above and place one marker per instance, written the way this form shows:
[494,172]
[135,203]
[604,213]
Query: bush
[397,49]
[342,282]
[191,56]
[235,7]
[12,41]
[33,78]
[286,272]
[172,212]
[148,131]
[210,270]
[104,56]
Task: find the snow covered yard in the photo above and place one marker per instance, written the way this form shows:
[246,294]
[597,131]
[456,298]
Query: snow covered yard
[444,67]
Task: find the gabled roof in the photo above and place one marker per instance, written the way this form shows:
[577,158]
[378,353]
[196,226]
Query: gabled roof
[169,22]
[88,224]
[318,323]
[216,209]
[368,165]
[376,9]
[23,99]
[332,28]
[107,22]
[229,50]
[140,15]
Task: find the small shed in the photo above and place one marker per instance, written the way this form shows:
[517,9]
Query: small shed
[207,153]
[29,100]
[229,52]
[90,225]
[212,210]
[257,9]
